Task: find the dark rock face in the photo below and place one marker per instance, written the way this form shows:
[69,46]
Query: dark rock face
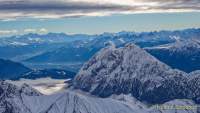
[9,69]
[132,70]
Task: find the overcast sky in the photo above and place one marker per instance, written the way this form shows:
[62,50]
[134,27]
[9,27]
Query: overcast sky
[75,12]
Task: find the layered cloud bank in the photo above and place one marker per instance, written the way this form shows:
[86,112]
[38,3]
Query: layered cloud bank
[10,9]
[25,31]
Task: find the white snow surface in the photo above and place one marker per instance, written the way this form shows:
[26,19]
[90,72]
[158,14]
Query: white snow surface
[73,102]
[27,100]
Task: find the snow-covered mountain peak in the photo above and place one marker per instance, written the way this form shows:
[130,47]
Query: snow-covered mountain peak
[123,70]
[131,70]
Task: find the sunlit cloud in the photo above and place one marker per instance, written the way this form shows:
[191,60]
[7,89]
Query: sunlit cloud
[7,32]
[45,9]
[43,31]
[32,30]
[10,32]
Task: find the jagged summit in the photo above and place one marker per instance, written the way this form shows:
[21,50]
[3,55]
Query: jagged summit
[131,70]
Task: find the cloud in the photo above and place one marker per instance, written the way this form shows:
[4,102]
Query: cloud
[8,32]
[12,9]
[32,30]
[43,31]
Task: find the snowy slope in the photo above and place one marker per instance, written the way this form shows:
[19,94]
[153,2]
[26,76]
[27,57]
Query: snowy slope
[27,100]
[130,69]
[173,106]
[72,102]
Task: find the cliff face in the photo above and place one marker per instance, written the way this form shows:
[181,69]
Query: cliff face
[131,70]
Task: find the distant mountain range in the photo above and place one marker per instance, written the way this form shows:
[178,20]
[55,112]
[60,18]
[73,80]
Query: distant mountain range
[65,54]
[22,47]
[33,38]
[183,54]
[55,50]
[81,51]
